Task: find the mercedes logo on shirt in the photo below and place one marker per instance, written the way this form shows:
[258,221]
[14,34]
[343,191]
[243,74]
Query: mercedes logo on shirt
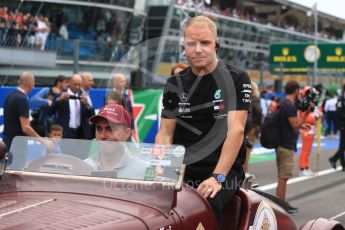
[183,97]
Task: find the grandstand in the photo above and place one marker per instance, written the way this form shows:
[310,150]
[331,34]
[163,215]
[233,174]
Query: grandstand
[126,35]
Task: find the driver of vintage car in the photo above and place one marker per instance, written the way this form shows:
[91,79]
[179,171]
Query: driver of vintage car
[112,125]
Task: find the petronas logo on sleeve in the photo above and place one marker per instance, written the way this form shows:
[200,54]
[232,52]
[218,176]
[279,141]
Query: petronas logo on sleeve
[217,94]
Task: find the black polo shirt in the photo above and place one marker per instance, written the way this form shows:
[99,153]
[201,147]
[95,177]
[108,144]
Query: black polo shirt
[200,105]
[289,136]
[16,105]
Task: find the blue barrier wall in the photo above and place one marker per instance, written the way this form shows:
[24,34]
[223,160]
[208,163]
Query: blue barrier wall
[97,96]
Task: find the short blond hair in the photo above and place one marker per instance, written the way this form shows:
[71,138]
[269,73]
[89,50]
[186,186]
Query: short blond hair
[26,78]
[202,20]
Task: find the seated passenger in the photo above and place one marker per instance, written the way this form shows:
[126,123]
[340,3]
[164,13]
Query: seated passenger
[112,128]
[55,133]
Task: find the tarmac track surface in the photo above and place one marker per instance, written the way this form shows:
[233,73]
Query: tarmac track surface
[322,195]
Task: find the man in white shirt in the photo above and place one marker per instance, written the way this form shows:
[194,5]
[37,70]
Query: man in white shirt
[63,32]
[330,110]
[112,129]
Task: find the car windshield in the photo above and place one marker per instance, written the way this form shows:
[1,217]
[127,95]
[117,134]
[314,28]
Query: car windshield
[108,159]
[142,173]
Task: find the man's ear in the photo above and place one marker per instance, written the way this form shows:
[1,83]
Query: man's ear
[217,45]
[128,132]
[182,44]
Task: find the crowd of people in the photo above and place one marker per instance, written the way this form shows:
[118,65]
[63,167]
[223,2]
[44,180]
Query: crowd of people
[67,104]
[18,29]
[234,12]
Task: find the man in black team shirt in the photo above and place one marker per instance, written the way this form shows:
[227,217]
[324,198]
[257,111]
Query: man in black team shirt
[205,108]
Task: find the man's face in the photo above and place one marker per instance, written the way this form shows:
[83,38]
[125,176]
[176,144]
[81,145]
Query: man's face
[88,82]
[199,42]
[120,82]
[65,84]
[107,131]
[31,85]
[75,85]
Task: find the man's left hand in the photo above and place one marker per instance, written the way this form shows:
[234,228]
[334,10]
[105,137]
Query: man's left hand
[84,100]
[209,187]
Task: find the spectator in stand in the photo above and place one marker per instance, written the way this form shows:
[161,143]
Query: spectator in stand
[13,31]
[32,26]
[63,32]
[46,32]
[101,46]
[43,99]
[73,111]
[24,31]
[111,40]
[42,32]
[5,13]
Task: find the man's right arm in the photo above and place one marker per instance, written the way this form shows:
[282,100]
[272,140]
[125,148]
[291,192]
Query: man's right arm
[297,122]
[26,128]
[40,98]
[166,131]
[29,131]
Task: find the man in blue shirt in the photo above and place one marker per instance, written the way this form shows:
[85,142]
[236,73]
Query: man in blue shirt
[43,100]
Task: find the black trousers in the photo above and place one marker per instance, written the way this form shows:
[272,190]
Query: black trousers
[75,133]
[232,182]
[341,150]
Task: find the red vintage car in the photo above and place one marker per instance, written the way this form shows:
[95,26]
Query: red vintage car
[43,189]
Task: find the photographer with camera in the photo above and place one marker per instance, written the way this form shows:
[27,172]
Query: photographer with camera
[308,95]
[290,123]
[73,111]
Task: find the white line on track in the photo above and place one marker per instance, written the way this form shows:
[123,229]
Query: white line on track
[337,216]
[299,179]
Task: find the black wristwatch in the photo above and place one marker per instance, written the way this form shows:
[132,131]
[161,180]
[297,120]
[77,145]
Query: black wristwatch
[219,177]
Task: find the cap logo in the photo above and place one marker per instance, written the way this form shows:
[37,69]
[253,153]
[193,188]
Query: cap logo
[109,111]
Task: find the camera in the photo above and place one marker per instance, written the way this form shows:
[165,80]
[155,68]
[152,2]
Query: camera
[309,95]
[74,97]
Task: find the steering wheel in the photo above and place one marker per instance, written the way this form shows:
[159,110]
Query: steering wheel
[60,164]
